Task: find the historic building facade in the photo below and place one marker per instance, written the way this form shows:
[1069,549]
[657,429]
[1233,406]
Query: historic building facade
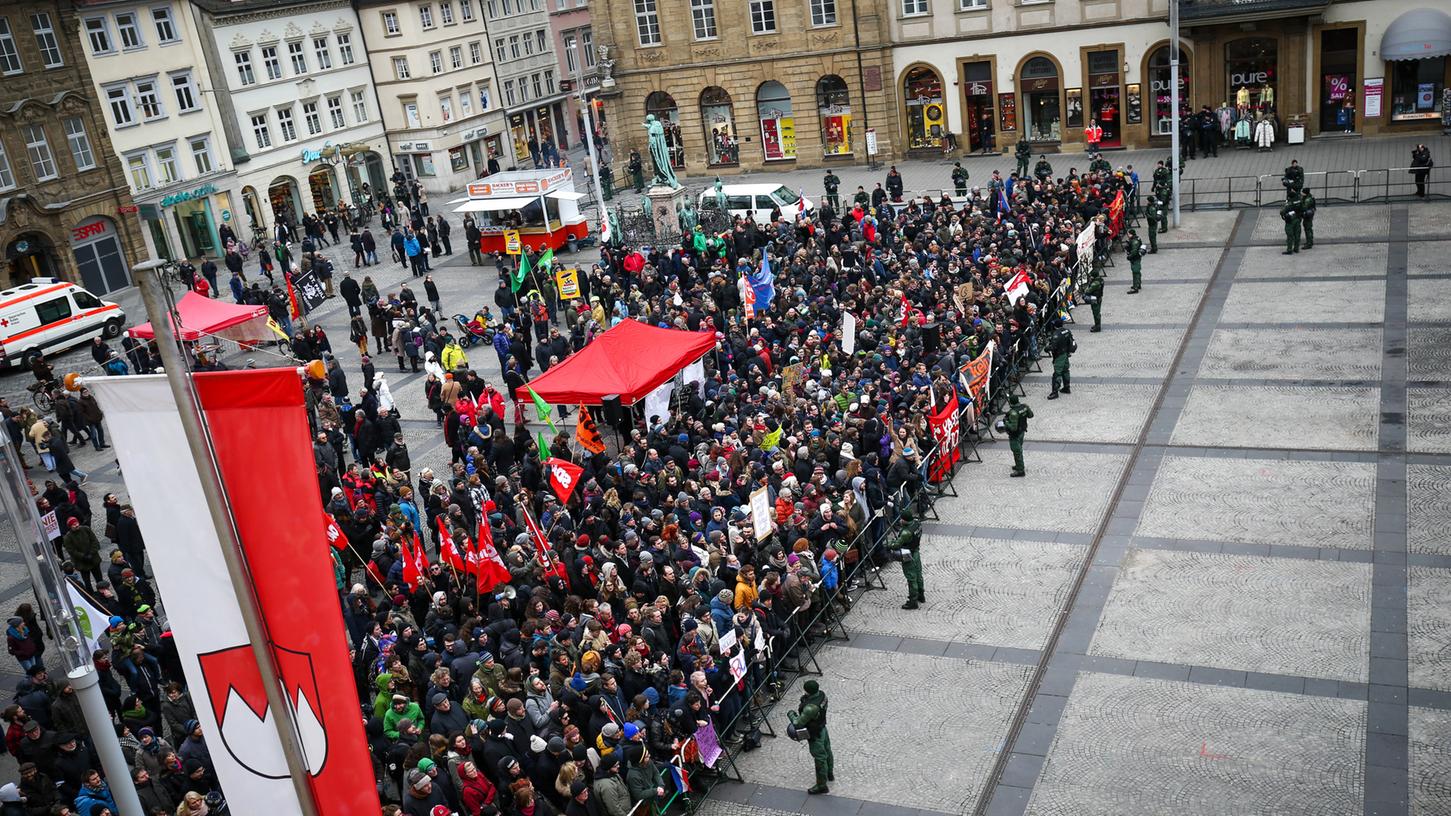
[65,210]
[433,67]
[749,85]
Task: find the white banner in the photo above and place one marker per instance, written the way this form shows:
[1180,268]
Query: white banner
[761,513]
[91,619]
[695,375]
[191,576]
[848,332]
[657,402]
[1085,243]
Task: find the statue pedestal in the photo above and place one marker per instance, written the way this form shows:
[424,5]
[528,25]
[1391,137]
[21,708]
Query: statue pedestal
[664,203]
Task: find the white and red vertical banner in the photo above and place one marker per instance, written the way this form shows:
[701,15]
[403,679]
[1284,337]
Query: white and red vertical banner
[260,437]
[945,431]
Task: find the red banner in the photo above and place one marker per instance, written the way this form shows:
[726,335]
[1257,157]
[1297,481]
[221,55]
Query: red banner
[1116,215]
[948,436]
[563,477]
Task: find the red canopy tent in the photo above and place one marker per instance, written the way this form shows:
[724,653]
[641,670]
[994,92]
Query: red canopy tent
[631,359]
[201,316]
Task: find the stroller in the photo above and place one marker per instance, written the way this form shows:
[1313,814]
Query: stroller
[470,333]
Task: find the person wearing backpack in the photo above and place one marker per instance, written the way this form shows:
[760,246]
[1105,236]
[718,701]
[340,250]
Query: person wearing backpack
[1061,345]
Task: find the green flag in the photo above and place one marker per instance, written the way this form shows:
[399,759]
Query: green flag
[546,260]
[543,448]
[521,273]
[543,410]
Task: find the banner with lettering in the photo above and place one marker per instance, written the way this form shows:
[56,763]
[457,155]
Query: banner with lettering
[974,377]
[948,436]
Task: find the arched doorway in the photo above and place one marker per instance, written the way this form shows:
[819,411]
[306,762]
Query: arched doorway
[100,264]
[833,104]
[30,255]
[926,113]
[1160,74]
[286,203]
[663,106]
[1038,83]
[253,207]
[322,183]
[722,148]
[778,124]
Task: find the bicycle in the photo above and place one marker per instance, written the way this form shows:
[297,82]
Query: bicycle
[42,394]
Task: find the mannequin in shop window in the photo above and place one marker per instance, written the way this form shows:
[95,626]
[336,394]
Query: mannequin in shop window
[1267,97]
[1241,99]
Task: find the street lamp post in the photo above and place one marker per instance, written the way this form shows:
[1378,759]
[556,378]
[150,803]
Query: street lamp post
[589,124]
[1177,157]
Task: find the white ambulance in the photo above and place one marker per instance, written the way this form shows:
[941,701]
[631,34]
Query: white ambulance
[49,315]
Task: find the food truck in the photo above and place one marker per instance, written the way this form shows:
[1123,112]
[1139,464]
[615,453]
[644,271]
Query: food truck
[541,206]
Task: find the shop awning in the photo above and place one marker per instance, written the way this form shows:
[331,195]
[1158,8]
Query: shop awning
[494,204]
[566,195]
[1417,34]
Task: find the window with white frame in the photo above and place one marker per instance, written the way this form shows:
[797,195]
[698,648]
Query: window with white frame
[493,9]
[540,41]
[971,5]
[435,61]
[587,42]
[425,15]
[476,53]
[549,82]
[166,171]
[42,161]
[501,52]
[186,92]
[400,68]
[465,102]
[311,118]
[410,114]
[911,8]
[507,9]
[360,105]
[7,176]
[538,86]
[702,14]
[509,98]
[128,31]
[763,16]
[484,95]
[286,126]
[80,143]
[571,59]
[523,89]
[647,22]
[514,46]
[335,112]
[298,57]
[823,12]
[271,63]
[528,45]
[148,100]
[345,49]
[445,12]
[138,167]
[165,26]
[261,130]
[390,24]
[45,40]
[98,34]
[456,57]
[466,10]
[320,50]
[445,106]
[118,96]
[9,53]
[244,67]
[201,154]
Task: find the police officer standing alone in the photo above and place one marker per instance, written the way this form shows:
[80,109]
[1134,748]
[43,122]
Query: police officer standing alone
[959,179]
[909,543]
[832,184]
[1061,345]
[1023,152]
[811,715]
[1015,422]
[1135,253]
[1093,292]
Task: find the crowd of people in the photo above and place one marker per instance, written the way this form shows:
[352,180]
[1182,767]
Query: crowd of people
[576,685]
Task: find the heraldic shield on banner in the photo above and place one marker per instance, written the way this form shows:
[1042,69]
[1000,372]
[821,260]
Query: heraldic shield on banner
[244,719]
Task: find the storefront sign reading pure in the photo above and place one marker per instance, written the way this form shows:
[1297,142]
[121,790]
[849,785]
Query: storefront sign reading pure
[190,195]
[1374,88]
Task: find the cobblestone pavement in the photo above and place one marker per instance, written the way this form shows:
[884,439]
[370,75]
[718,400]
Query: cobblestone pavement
[1221,586]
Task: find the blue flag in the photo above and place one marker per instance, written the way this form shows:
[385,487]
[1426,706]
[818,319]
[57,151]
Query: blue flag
[764,282]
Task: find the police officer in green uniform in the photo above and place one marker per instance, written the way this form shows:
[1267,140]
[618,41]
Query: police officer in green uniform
[1015,422]
[1290,214]
[832,184]
[1135,253]
[959,178]
[1043,170]
[1061,345]
[1307,217]
[909,542]
[1099,165]
[1294,179]
[637,170]
[861,197]
[607,181]
[1162,176]
[1154,214]
[1093,292]
[811,715]
[1023,152]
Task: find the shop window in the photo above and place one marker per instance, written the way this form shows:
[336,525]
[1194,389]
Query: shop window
[663,106]
[833,103]
[1253,73]
[926,114]
[716,112]
[778,126]
[1042,112]
[1161,121]
[1416,89]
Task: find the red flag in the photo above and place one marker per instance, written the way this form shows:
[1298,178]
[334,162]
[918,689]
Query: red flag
[333,532]
[563,476]
[411,575]
[447,550]
[541,548]
[488,567]
[1116,215]
[420,556]
[906,311]
[258,424]
[292,297]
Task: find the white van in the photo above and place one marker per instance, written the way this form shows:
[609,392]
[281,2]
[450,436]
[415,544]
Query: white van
[758,199]
[49,315]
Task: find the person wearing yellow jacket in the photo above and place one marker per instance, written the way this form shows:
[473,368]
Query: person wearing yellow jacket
[454,357]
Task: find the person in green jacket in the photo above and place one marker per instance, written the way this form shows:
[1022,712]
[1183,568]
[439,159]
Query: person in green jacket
[1022,153]
[84,551]
[401,709]
[811,715]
